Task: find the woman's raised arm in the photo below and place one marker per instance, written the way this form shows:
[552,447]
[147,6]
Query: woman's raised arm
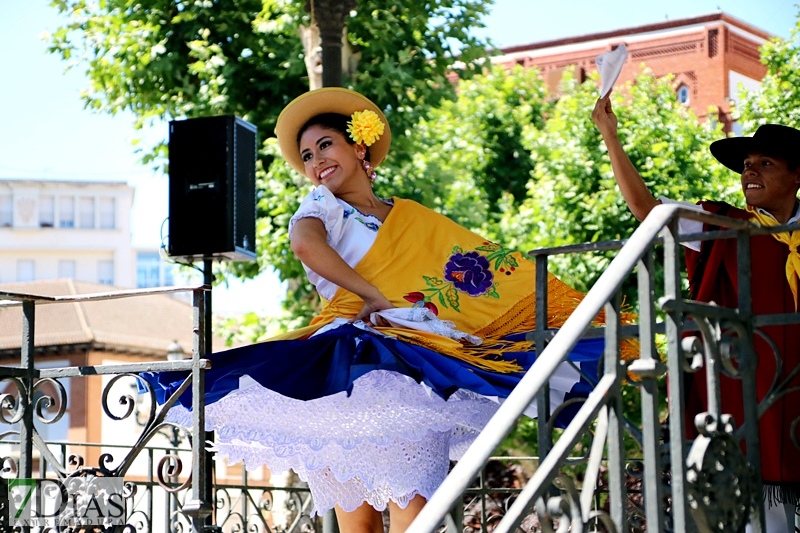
[310,245]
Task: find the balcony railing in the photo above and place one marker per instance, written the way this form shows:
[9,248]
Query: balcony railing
[705,484]
[580,479]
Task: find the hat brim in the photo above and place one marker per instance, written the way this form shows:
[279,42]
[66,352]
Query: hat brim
[327,100]
[733,151]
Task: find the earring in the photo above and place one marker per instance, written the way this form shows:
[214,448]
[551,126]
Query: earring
[368,169]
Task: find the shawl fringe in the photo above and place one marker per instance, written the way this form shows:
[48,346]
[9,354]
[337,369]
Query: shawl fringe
[521,318]
[781,494]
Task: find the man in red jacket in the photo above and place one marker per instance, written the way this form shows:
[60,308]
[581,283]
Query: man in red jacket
[769,163]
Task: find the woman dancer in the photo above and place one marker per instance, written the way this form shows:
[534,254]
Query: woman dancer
[422,332]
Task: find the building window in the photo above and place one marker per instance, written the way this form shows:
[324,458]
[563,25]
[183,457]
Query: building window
[6,211]
[148,265]
[66,211]
[683,94]
[25,270]
[47,211]
[107,213]
[105,272]
[86,213]
[66,269]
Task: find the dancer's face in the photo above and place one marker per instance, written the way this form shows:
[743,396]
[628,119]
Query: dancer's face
[329,159]
[768,182]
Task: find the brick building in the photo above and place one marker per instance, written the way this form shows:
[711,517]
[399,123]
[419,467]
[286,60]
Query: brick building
[709,55]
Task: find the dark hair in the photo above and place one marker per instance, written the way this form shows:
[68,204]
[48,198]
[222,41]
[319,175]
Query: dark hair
[330,121]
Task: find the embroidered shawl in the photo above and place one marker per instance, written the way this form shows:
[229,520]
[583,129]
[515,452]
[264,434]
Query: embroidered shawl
[423,258]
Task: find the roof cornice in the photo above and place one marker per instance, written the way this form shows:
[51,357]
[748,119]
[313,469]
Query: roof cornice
[718,16]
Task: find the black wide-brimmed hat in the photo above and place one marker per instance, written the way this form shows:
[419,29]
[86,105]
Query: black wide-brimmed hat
[771,139]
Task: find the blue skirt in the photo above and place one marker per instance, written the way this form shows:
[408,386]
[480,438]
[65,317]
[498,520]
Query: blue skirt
[360,417]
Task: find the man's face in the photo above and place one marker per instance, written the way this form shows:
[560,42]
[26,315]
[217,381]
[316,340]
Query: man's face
[767,181]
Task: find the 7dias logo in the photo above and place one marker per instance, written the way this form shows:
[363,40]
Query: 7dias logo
[71,503]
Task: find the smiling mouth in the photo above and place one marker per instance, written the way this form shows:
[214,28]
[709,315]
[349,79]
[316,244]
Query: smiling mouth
[327,172]
[750,186]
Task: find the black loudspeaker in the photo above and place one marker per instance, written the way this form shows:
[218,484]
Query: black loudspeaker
[212,189]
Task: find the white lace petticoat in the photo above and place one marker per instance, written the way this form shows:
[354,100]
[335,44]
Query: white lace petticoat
[391,439]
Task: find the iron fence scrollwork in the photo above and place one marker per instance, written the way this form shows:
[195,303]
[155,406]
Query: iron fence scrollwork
[675,484]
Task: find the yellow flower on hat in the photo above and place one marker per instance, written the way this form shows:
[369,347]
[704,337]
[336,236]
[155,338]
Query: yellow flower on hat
[365,127]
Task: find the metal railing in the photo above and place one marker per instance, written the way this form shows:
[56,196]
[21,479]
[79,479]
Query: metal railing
[156,494]
[678,475]
[22,404]
[37,396]
[670,477]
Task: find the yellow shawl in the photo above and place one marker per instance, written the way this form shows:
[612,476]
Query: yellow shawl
[423,258]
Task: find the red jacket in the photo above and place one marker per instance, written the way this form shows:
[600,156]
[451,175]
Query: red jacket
[713,277]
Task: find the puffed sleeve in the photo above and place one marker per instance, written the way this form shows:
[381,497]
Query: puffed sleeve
[322,204]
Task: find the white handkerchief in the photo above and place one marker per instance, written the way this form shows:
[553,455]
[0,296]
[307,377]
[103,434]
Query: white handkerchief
[609,65]
[423,319]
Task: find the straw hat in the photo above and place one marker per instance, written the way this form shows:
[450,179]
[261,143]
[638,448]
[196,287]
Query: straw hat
[326,100]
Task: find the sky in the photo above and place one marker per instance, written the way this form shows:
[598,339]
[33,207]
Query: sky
[45,133]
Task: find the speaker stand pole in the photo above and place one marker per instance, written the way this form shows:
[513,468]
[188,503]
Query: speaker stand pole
[208,279]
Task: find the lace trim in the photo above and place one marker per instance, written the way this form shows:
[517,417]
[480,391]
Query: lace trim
[397,471]
[389,440]
[423,319]
[352,494]
[317,215]
[387,201]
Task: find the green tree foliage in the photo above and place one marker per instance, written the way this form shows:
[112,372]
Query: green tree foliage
[166,59]
[468,153]
[173,59]
[501,156]
[572,196]
[777,101]
[530,169]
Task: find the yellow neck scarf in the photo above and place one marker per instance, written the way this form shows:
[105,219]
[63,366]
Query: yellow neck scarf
[790,239]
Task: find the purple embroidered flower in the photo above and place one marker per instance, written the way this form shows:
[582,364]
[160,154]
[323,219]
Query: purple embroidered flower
[469,273]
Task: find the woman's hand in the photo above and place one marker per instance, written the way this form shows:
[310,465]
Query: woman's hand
[604,118]
[309,243]
[372,303]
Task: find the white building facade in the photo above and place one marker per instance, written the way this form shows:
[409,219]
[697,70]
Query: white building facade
[73,229]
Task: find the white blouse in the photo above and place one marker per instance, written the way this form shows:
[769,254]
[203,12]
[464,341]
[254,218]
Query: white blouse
[350,232]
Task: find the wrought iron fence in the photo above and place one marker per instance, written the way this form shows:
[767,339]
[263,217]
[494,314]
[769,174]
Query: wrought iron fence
[159,496]
[157,492]
[704,484]
[676,485]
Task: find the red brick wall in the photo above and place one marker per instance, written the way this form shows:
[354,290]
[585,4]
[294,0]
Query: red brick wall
[700,59]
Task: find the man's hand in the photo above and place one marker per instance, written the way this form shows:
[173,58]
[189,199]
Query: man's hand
[639,199]
[604,118]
